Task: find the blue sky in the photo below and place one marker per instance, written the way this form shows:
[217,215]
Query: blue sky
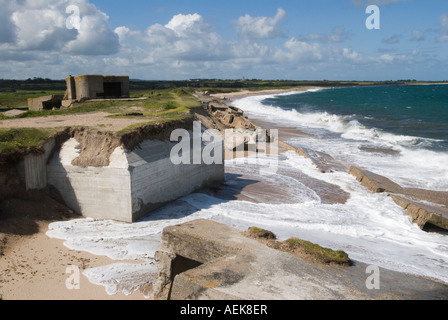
[176,40]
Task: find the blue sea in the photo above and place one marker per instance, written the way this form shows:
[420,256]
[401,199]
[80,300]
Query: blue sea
[400,132]
[417,114]
[407,126]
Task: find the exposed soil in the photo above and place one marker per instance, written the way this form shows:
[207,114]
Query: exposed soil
[95,120]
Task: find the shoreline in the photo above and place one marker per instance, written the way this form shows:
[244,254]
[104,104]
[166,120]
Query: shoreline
[246,93]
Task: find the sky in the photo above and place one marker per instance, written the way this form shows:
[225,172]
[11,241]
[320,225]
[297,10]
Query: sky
[181,39]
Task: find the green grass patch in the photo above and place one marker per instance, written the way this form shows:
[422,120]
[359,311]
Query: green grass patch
[256,232]
[26,139]
[19,98]
[302,248]
[323,254]
[171,101]
[168,103]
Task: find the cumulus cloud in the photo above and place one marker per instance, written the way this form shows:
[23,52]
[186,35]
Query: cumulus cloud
[94,37]
[249,27]
[184,37]
[42,26]
[7,28]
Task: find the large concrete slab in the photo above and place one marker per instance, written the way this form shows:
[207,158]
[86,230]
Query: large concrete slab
[202,260]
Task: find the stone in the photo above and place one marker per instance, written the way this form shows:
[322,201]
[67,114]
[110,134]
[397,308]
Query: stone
[423,206]
[45,103]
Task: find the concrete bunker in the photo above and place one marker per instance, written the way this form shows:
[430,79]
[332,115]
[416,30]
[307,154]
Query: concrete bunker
[82,88]
[88,87]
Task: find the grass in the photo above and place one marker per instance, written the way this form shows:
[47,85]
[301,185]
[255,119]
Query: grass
[158,107]
[169,103]
[302,248]
[261,233]
[25,139]
[320,253]
[20,97]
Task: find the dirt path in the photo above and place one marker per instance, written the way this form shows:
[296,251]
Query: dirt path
[97,120]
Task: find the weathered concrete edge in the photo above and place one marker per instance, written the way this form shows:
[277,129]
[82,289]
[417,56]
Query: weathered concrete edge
[420,214]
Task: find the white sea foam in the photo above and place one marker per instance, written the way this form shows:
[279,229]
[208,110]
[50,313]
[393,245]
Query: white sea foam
[413,166]
[124,277]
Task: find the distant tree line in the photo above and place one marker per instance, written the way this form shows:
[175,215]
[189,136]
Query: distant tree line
[38,84]
[209,84]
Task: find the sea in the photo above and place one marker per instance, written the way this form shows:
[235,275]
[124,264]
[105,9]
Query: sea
[400,132]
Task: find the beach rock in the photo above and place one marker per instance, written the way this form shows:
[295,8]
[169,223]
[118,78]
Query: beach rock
[229,116]
[375,182]
[423,213]
[423,206]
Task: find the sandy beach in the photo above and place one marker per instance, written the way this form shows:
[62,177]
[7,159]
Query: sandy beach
[34,266]
[247,93]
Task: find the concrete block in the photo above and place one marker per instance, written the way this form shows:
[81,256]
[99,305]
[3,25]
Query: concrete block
[205,260]
[45,103]
[134,183]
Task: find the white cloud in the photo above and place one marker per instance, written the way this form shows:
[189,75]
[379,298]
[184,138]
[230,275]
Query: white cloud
[339,34]
[184,37]
[394,39]
[187,25]
[94,37]
[417,35]
[41,25]
[388,58]
[249,27]
[7,28]
[443,28]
